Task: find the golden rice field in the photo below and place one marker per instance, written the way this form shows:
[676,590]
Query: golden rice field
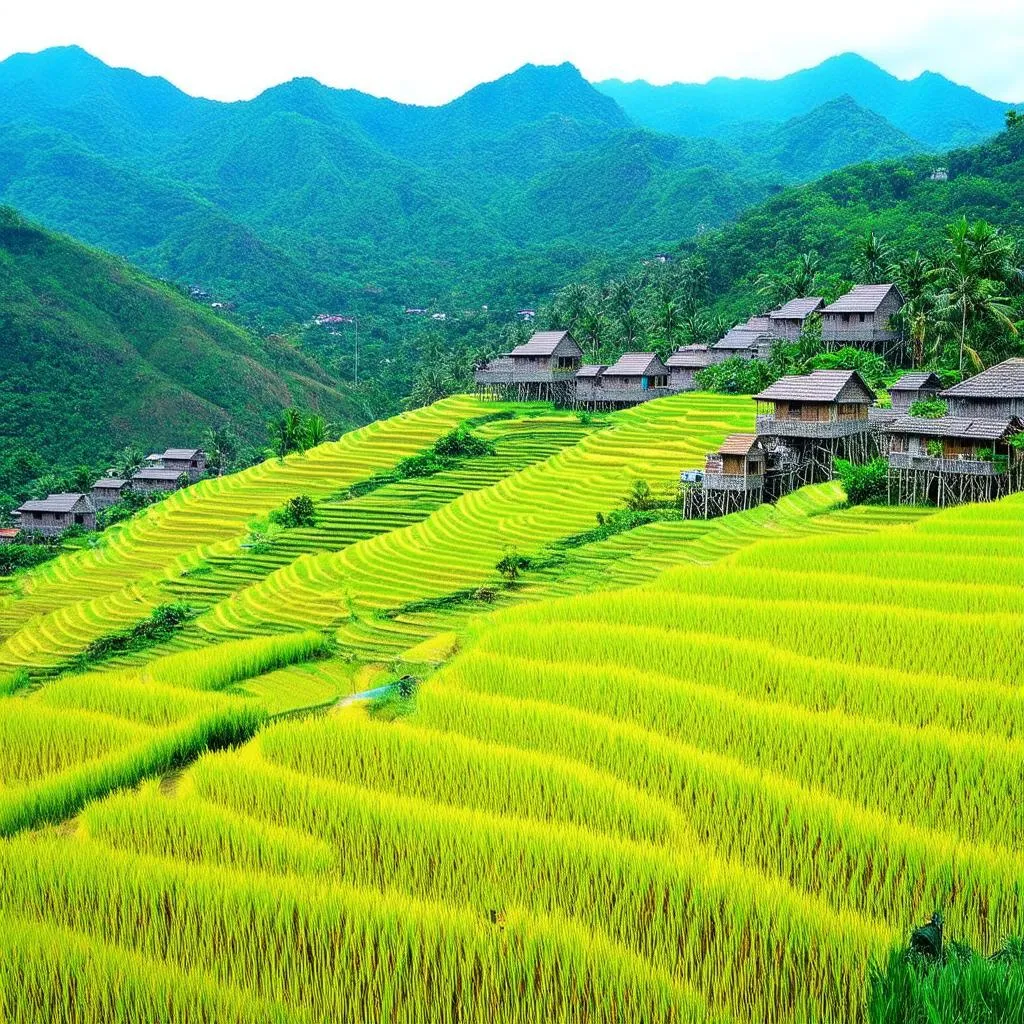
[693,772]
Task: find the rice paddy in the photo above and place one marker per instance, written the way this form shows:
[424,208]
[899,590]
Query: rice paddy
[692,772]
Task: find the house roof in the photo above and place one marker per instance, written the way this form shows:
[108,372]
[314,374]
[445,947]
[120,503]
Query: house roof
[916,380]
[10,531]
[157,474]
[740,338]
[154,457]
[636,364]
[58,503]
[109,483]
[738,444]
[819,386]
[693,355]
[864,298]
[758,323]
[797,309]
[1004,380]
[952,426]
[543,343]
[182,453]
[591,370]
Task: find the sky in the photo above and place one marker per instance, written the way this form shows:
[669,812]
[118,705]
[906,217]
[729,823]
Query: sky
[429,51]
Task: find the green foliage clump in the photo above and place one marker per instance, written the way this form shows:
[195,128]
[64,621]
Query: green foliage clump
[24,556]
[933,982]
[929,408]
[867,484]
[737,376]
[297,511]
[512,565]
[163,622]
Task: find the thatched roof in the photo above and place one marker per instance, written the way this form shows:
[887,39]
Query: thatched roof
[1004,380]
[865,298]
[59,503]
[820,386]
[109,483]
[543,343]
[738,444]
[637,364]
[916,381]
[697,356]
[183,453]
[591,370]
[953,426]
[741,338]
[157,474]
[797,309]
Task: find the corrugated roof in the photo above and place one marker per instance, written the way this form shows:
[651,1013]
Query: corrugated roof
[738,444]
[543,343]
[819,386]
[865,298]
[1004,380]
[182,453]
[636,364]
[797,309]
[109,482]
[58,503]
[916,380]
[951,426]
[157,474]
[740,338]
[591,370]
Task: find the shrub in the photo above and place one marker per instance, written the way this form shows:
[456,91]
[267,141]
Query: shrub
[24,556]
[297,511]
[929,408]
[736,376]
[164,621]
[934,449]
[512,565]
[641,498]
[867,484]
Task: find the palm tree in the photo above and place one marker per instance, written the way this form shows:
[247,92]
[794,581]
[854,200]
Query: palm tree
[316,430]
[804,276]
[916,275]
[631,329]
[287,432]
[873,259]
[668,320]
[968,299]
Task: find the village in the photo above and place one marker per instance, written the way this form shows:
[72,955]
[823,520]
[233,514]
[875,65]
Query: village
[962,451]
[53,515]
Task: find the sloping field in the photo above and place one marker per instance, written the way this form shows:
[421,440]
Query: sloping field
[712,797]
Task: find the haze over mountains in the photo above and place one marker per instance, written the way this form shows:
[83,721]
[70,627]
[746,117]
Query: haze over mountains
[308,197]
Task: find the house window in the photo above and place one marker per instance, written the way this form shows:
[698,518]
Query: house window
[796,410]
[846,318]
[862,318]
[79,519]
[567,362]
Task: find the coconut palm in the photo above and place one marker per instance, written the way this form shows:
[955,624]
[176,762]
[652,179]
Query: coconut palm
[873,259]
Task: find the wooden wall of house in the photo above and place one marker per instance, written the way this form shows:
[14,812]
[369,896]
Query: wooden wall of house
[986,409]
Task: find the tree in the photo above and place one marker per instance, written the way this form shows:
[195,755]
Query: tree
[641,498]
[668,321]
[221,446]
[1014,119]
[872,259]
[317,430]
[512,565]
[287,432]
[128,461]
[915,276]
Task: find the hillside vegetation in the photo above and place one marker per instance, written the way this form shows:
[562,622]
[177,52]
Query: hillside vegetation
[671,774]
[96,354]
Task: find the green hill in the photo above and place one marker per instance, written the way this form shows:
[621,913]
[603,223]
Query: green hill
[930,108]
[96,355]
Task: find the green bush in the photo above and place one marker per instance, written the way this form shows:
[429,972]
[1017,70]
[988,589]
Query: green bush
[297,511]
[867,484]
[24,556]
[736,376]
[929,408]
[164,621]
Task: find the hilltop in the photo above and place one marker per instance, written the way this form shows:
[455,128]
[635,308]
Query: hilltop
[96,354]
[931,109]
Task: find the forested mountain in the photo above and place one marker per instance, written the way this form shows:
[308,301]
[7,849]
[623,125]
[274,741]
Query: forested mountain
[94,355]
[308,198]
[933,110]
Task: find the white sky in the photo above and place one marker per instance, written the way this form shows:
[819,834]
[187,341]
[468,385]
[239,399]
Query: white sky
[429,51]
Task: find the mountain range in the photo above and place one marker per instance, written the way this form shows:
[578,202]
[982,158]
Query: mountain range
[309,198]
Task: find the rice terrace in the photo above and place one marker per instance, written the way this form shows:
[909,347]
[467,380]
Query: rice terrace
[698,770]
[495,542]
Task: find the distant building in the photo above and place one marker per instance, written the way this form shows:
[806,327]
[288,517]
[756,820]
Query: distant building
[635,377]
[743,342]
[109,490]
[918,386]
[685,363]
[439,316]
[861,318]
[526,314]
[54,514]
[940,174]
[8,535]
[996,393]
[787,322]
[158,479]
[181,460]
[542,367]
[416,311]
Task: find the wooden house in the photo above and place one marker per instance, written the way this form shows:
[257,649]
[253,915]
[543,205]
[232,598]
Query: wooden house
[817,418]
[685,363]
[109,490]
[156,478]
[862,318]
[588,381]
[183,460]
[54,514]
[635,377]
[733,480]
[952,459]
[543,367]
[919,386]
[996,393]
[787,322]
[743,342]
[8,535]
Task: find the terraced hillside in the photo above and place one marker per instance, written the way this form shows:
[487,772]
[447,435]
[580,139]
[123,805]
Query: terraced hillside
[690,772]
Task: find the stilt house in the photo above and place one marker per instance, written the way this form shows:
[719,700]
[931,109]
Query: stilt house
[734,478]
[155,478]
[685,363]
[787,322]
[952,460]
[996,393]
[817,418]
[919,386]
[746,341]
[635,377]
[543,367]
[109,491]
[54,514]
[862,318]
